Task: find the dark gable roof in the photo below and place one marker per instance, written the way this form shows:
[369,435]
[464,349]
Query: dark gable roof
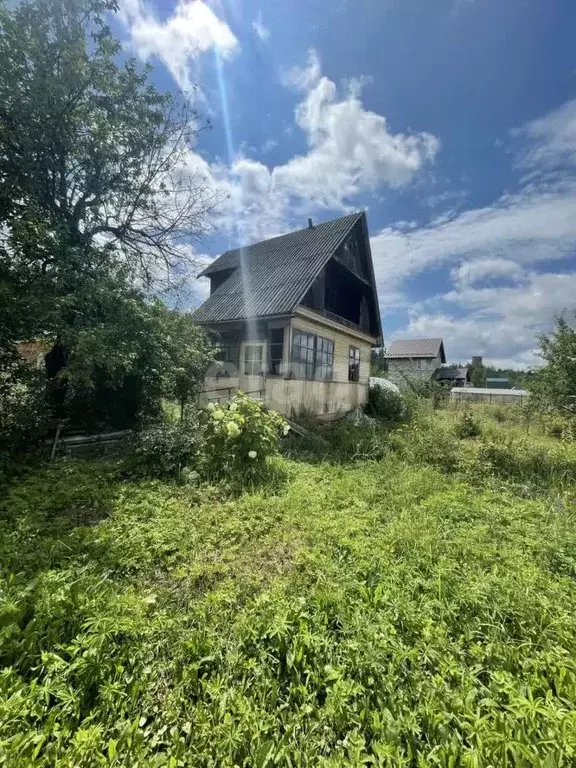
[416,348]
[452,373]
[276,275]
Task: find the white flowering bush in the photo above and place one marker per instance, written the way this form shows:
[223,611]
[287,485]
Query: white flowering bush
[240,436]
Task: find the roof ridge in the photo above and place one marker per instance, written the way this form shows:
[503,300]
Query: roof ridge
[230,251]
[292,232]
[279,272]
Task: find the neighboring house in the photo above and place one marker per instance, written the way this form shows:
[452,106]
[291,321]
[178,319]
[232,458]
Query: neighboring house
[458,377]
[295,318]
[414,360]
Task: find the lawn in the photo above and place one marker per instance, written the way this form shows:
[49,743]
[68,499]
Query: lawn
[415,610]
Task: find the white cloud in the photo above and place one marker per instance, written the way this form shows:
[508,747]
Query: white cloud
[552,137]
[351,151]
[531,227]
[192,29]
[259,27]
[478,271]
[304,78]
[502,324]
[512,239]
[268,146]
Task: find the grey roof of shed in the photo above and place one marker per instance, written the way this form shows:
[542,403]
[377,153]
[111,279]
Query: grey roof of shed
[276,273]
[416,348]
[449,374]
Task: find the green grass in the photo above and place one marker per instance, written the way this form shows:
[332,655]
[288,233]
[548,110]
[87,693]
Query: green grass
[411,611]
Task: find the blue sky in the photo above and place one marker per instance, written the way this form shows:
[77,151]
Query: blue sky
[453,123]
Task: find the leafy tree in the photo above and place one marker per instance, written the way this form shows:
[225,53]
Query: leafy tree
[378,362]
[553,386]
[477,374]
[96,210]
[123,363]
[189,353]
[92,152]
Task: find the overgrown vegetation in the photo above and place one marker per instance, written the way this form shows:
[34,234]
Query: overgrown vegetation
[417,609]
[97,217]
[385,404]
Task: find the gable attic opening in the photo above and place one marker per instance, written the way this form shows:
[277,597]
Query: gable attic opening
[343,288]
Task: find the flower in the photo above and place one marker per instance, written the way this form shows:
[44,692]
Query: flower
[218,414]
[286,429]
[210,406]
[233,407]
[252,454]
[233,429]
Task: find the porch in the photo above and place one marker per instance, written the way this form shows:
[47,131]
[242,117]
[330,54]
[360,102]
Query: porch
[305,363]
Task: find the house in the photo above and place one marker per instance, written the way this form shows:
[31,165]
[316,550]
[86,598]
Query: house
[454,375]
[295,318]
[414,360]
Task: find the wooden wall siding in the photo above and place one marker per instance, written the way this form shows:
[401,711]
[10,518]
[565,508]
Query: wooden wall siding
[342,343]
[343,287]
[352,253]
[291,396]
[321,398]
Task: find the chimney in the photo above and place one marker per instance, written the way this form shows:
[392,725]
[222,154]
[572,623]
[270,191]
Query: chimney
[477,360]
[310,225]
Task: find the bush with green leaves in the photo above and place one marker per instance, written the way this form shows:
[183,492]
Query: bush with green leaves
[24,415]
[385,404]
[168,449]
[468,426]
[240,437]
[553,386]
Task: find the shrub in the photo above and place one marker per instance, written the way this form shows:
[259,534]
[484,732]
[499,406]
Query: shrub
[23,414]
[425,442]
[169,449]
[468,426]
[240,437]
[385,404]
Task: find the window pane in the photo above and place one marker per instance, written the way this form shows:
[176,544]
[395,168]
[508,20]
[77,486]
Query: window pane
[253,360]
[324,359]
[276,352]
[277,335]
[354,364]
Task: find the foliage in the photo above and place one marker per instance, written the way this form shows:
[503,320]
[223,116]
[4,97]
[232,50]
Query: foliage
[168,449]
[120,368]
[345,441]
[97,213]
[92,152]
[468,426]
[23,419]
[437,392]
[479,373]
[425,442]
[240,437]
[378,363]
[553,387]
[381,613]
[385,404]
[189,353]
